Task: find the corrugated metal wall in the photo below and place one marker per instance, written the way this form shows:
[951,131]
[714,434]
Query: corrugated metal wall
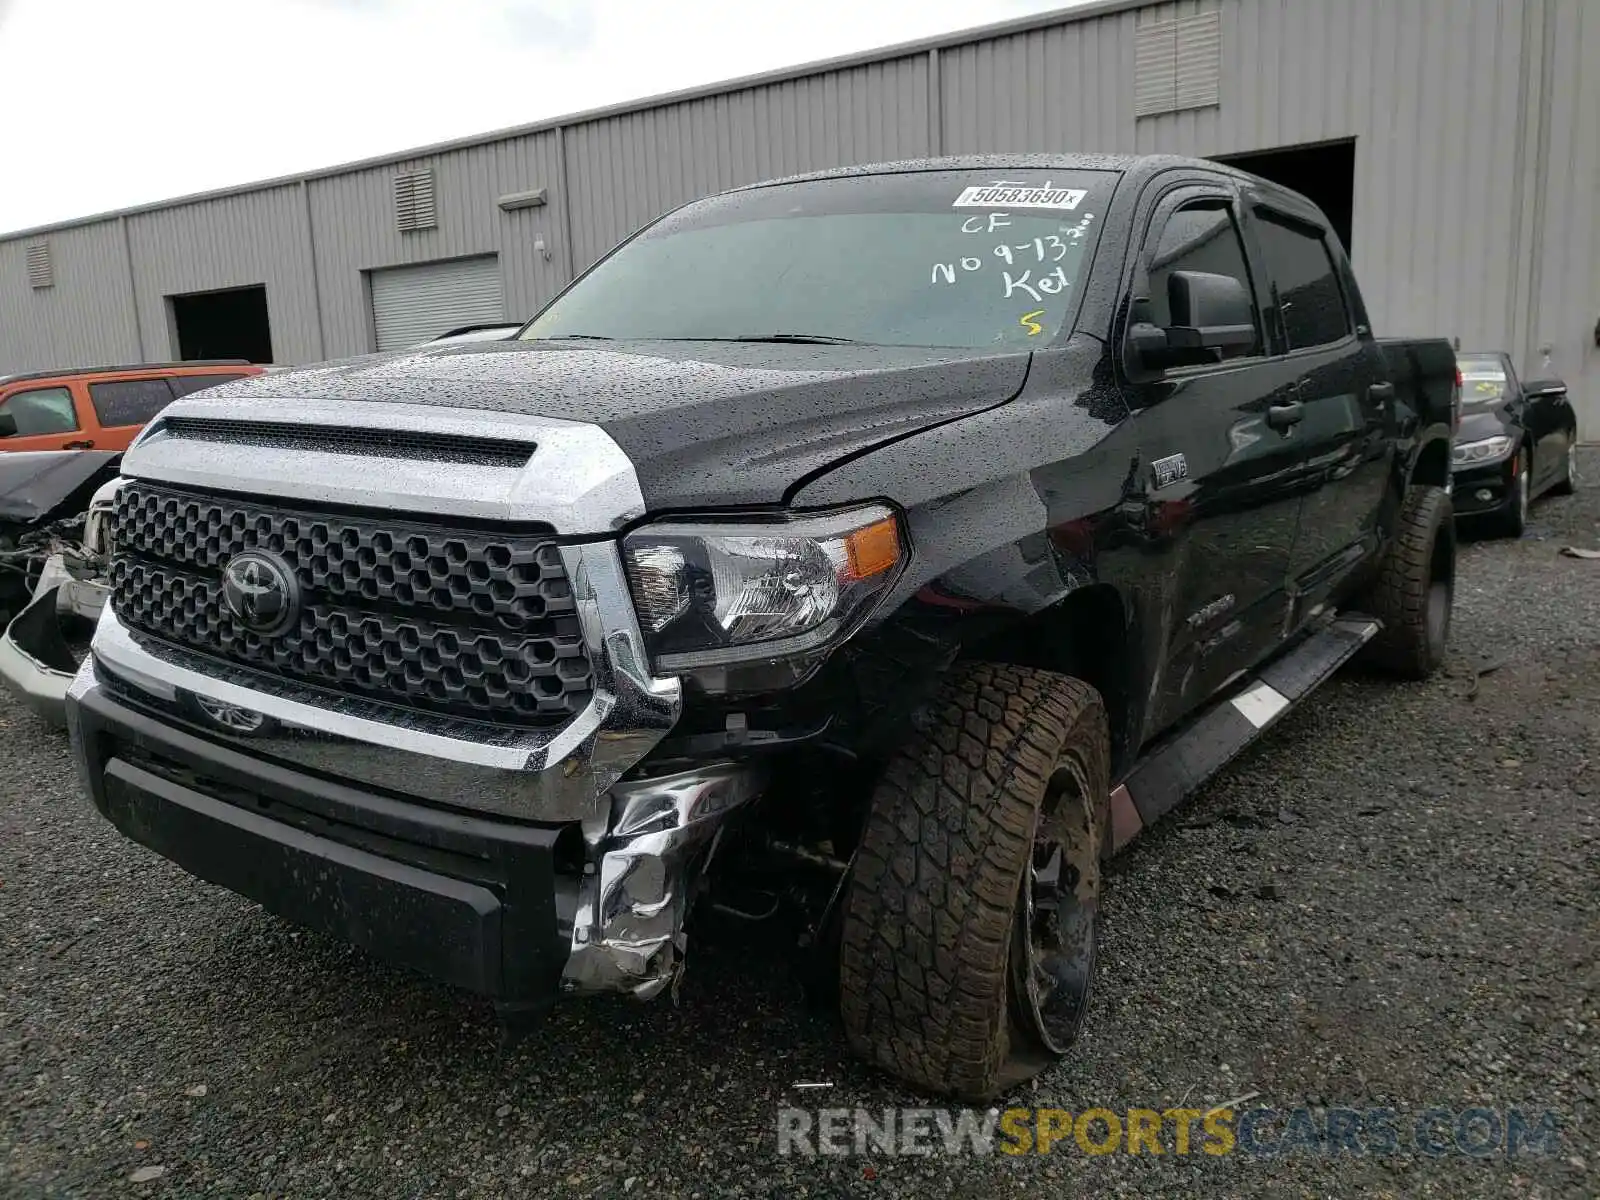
[353,216]
[627,169]
[1430,121]
[1565,326]
[86,317]
[256,237]
[1477,167]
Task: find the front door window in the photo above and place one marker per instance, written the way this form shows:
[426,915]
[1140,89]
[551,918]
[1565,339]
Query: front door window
[41,411]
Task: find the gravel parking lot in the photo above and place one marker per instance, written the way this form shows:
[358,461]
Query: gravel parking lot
[1433,852]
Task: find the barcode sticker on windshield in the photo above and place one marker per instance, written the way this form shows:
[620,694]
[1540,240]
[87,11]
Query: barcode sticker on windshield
[999,195]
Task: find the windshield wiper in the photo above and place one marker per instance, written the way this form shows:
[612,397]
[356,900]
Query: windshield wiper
[803,339]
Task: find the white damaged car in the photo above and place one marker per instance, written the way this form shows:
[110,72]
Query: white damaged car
[53,509]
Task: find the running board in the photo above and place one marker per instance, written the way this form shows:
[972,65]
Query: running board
[1175,769]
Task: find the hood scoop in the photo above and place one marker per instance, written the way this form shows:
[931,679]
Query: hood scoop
[376,443]
[505,468]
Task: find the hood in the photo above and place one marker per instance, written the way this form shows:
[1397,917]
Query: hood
[45,485]
[713,424]
[1480,423]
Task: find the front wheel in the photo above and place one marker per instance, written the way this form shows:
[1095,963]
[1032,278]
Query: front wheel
[1415,587]
[1568,483]
[971,923]
[1514,519]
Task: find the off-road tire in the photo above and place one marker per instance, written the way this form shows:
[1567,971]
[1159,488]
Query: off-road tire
[1419,560]
[929,920]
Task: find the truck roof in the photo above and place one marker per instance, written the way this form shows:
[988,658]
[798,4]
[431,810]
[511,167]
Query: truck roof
[1127,164]
[1137,167]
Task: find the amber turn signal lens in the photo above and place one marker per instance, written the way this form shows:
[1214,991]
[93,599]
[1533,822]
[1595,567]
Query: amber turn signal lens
[873,550]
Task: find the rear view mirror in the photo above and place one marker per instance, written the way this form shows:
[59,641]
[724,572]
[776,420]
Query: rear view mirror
[1209,312]
[8,425]
[1540,388]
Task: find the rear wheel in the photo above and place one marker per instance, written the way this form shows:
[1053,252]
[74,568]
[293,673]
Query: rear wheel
[1415,587]
[971,923]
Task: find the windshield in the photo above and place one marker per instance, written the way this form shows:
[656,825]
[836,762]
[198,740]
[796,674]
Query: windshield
[939,258]
[1483,380]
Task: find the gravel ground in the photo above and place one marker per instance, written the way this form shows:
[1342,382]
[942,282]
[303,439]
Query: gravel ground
[1434,851]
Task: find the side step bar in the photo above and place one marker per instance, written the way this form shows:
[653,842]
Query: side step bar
[1176,768]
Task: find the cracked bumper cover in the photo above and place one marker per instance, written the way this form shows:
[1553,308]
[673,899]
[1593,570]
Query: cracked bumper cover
[34,657]
[628,926]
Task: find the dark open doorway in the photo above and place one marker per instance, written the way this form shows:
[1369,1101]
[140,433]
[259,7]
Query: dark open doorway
[226,324]
[1324,173]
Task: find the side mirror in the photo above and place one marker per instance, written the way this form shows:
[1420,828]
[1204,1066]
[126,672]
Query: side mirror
[1209,312]
[1544,388]
[8,425]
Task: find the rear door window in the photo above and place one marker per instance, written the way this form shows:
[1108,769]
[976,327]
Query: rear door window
[41,411]
[129,401]
[182,385]
[1310,302]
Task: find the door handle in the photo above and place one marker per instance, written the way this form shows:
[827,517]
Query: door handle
[77,445]
[1282,416]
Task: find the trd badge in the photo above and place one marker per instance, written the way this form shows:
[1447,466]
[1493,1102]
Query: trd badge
[1170,469]
[230,716]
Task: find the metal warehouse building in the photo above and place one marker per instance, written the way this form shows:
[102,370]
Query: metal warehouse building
[1454,143]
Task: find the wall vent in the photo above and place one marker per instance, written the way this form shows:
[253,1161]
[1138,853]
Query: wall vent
[1177,64]
[40,273]
[413,201]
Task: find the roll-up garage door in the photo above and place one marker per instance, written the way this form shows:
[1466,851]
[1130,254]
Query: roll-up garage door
[413,304]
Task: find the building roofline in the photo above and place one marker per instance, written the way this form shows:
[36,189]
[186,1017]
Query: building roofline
[861,58]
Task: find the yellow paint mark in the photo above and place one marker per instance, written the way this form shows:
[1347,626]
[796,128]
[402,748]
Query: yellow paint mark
[1028,322]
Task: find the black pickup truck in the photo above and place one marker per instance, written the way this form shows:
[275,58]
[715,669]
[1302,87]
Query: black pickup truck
[873,552]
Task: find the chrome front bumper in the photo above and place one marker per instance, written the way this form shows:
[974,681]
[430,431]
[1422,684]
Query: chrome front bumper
[549,775]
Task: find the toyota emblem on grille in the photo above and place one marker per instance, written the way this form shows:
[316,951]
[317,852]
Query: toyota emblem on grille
[260,592]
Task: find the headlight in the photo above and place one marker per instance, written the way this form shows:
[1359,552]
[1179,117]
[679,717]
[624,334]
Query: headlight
[717,593]
[1486,450]
[97,524]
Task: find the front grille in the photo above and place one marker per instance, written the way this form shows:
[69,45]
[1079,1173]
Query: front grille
[449,620]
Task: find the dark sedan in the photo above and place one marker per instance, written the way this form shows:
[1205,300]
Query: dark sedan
[1517,441]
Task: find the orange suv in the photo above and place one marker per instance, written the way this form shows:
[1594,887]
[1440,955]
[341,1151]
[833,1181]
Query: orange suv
[99,408]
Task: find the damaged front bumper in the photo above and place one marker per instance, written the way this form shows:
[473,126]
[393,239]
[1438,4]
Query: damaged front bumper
[517,864]
[515,911]
[42,647]
[627,933]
